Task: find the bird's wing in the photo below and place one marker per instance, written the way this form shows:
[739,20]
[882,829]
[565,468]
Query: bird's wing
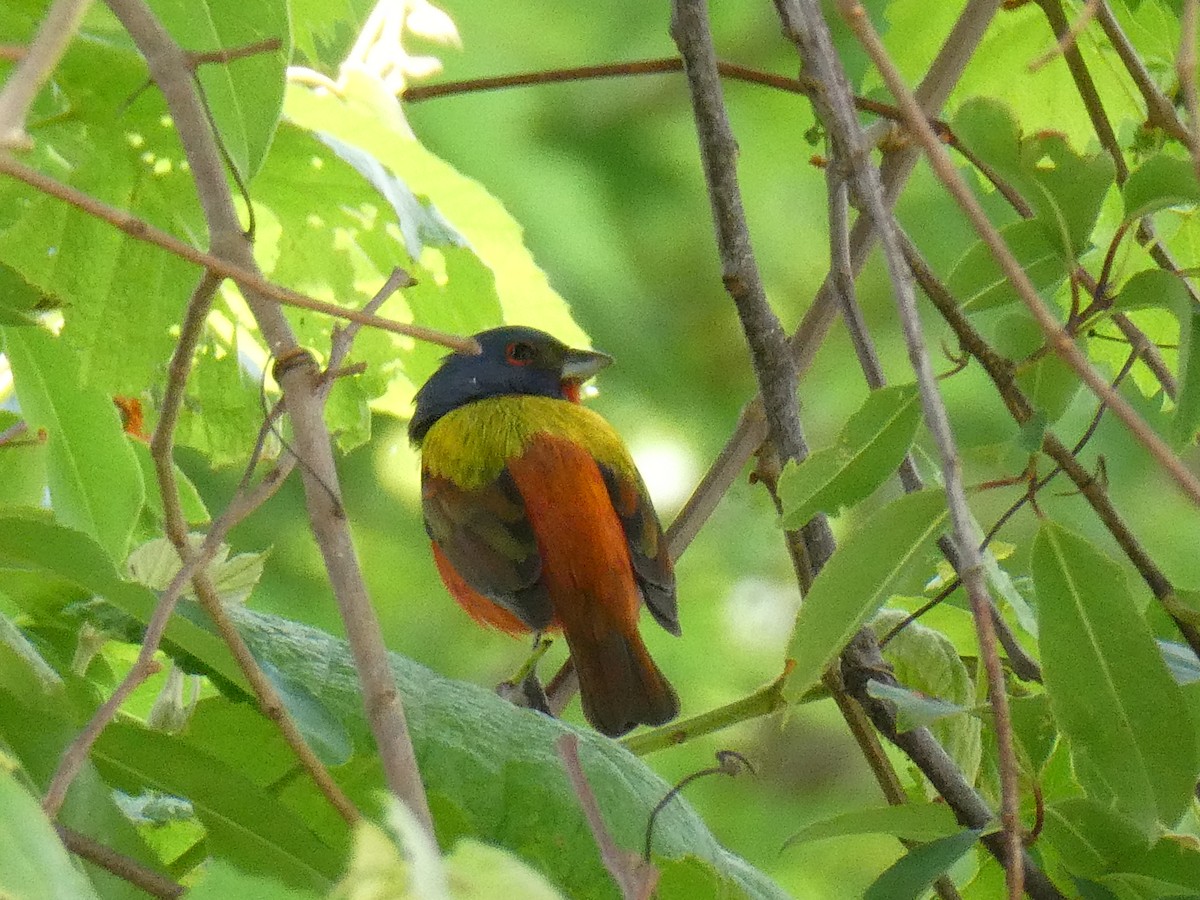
[652,566]
[485,535]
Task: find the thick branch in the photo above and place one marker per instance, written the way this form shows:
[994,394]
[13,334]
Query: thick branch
[300,381]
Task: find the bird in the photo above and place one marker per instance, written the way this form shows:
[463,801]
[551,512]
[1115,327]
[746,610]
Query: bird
[540,521]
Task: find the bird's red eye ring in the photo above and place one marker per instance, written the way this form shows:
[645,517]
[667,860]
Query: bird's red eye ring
[520,353]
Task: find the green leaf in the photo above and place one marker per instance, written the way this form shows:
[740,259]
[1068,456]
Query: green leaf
[22,466]
[1161,181]
[19,300]
[858,579]
[1158,289]
[868,451]
[244,823]
[1090,838]
[370,118]
[95,481]
[939,688]
[908,821]
[978,283]
[913,709]
[914,872]
[245,96]
[480,871]
[73,556]
[1128,724]
[222,881]
[34,865]
[14,643]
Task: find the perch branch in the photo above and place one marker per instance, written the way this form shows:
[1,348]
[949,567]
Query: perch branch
[124,867]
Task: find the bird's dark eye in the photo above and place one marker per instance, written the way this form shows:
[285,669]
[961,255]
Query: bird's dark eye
[520,353]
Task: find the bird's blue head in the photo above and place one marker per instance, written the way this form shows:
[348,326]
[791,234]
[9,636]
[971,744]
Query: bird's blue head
[514,359]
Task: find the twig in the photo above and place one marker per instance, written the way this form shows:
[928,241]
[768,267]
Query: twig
[1061,342]
[805,25]
[124,867]
[1068,38]
[267,45]
[729,762]
[343,338]
[1160,111]
[13,431]
[162,451]
[635,877]
[862,664]
[34,68]
[301,390]
[1185,68]
[247,277]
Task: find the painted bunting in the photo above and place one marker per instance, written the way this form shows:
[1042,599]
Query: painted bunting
[539,518]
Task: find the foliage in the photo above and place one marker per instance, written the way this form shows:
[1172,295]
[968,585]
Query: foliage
[340,182]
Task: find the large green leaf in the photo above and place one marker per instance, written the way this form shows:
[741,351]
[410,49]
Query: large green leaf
[34,865]
[369,118]
[73,556]
[245,824]
[858,579]
[494,773]
[868,450]
[1131,735]
[245,95]
[95,480]
[978,283]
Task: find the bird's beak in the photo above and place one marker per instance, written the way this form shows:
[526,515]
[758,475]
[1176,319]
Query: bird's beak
[580,365]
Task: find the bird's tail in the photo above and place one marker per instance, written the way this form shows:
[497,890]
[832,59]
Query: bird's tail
[619,684]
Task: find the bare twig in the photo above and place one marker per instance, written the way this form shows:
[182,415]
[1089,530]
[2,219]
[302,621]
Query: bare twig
[772,363]
[13,431]
[1067,39]
[124,867]
[247,277]
[34,68]
[343,338]
[267,45]
[729,762]
[636,877]
[1060,341]
[301,389]
[1160,111]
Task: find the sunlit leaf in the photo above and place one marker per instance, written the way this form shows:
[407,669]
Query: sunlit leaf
[909,821]
[1161,181]
[95,480]
[979,284]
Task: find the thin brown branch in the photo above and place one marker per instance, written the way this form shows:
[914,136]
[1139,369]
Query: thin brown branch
[773,367]
[301,389]
[247,278]
[1160,111]
[34,67]
[12,432]
[162,452]
[124,867]
[635,877]
[202,57]
[1068,38]
[751,430]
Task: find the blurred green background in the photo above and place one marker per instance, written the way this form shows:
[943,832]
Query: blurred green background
[605,177]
